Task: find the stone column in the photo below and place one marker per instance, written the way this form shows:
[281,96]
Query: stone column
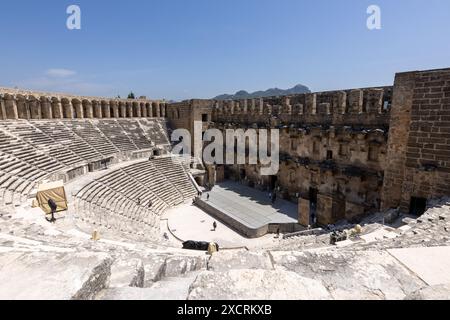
[88,110]
[268,109]
[11,107]
[56,108]
[261,106]
[2,108]
[342,102]
[244,107]
[122,110]
[136,109]
[287,108]
[67,109]
[97,109]
[129,110]
[22,108]
[374,101]
[232,107]
[35,107]
[238,107]
[156,106]
[78,108]
[106,110]
[143,110]
[115,109]
[356,99]
[149,110]
[46,108]
[311,104]
[163,110]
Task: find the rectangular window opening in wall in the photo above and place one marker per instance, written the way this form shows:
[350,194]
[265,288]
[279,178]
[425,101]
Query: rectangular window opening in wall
[313,198]
[386,105]
[329,155]
[205,117]
[417,206]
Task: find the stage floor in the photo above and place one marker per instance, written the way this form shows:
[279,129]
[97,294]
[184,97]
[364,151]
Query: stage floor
[249,206]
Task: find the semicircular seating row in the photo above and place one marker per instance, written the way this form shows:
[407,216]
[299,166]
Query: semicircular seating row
[31,151]
[120,200]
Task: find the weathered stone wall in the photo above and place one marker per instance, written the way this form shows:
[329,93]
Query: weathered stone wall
[419,140]
[333,149]
[359,107]
[347,152]
[183,115]
[18,104]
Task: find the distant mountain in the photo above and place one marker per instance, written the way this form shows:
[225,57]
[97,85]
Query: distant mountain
[298,89]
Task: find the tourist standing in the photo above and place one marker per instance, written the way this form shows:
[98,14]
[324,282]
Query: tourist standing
[215,225]
[53,206]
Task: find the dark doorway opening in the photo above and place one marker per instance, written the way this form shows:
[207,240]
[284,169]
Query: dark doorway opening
[227,173]
[157,152]
[273,180]
[104,164]
[199,181]
[243,174]
[418,206]
[313,192]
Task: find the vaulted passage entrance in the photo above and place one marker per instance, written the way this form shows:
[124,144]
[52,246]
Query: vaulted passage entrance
[418,206]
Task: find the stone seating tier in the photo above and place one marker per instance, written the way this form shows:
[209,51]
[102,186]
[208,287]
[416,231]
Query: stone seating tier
[33,150]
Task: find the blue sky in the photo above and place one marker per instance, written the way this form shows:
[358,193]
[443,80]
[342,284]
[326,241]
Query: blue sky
[179,49]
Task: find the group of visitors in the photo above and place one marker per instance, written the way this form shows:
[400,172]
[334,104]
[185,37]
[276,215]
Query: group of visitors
[149,205]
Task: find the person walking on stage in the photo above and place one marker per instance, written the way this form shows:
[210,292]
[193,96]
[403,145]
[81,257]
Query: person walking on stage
[215,225]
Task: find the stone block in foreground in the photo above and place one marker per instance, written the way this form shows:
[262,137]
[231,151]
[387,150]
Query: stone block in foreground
[256,285]
[239,259]
[127,273]
[53,276]
[353,275]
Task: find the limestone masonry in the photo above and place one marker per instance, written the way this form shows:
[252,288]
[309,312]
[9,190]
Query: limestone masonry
[372,164]
[346,153]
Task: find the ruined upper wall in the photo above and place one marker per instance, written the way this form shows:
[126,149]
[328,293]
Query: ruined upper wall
[419,139]
[21,104]
[363,107]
